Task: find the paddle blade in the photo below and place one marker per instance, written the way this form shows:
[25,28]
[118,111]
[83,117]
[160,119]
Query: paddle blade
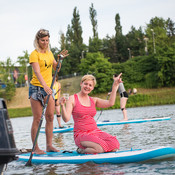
[29,162]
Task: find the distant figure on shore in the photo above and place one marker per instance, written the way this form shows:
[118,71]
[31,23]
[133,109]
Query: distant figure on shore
[134,91]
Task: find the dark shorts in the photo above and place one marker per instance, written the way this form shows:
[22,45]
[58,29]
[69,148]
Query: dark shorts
[37,93]
[124,94]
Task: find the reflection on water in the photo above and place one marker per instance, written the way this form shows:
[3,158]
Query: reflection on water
[143,135]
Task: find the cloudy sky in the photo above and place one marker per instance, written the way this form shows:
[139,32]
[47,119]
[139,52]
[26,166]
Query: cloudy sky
[21,19]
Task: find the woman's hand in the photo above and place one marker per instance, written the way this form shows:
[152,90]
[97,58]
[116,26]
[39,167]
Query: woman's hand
[62,101]
[48,90]
[63,53]
[117,79]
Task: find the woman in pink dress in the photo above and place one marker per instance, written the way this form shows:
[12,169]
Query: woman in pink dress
[88,137]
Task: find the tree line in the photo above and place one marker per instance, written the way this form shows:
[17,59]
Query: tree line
[145,56]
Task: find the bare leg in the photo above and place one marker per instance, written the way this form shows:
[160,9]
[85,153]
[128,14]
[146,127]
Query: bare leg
[91,148]
[37,112]
[49,125]
[57,108]
[123,101]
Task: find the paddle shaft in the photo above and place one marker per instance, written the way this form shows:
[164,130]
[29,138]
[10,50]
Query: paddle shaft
[57,91]
[29,162]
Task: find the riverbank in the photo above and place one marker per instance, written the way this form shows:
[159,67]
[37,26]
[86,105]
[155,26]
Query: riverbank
[20,105]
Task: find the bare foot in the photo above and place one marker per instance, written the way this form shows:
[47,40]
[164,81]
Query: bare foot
[124,120]
[80,151]
[38,151]
[52,149]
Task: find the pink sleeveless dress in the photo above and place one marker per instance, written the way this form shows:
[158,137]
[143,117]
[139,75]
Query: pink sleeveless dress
[85,127]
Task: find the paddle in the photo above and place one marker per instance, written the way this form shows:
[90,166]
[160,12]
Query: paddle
[57,91]
[29,162]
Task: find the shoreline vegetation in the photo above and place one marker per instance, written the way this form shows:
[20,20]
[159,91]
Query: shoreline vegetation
[19,106]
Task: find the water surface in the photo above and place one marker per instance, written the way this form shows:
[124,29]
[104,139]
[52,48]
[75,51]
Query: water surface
[142,135]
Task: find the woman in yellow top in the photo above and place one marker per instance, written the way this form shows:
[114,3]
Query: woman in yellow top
[57,92]
[42,62]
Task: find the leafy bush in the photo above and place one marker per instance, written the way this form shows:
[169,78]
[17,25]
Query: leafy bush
[137,100]
[101,68]
[9,91]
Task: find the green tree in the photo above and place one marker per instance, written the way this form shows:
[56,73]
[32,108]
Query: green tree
[121,42]
[157,34]
[77,29]
[74,43]
[109,49]
[118,27]
[62,41]
[166,72]
[23,67]
[170,25]
[161,33]
[101,68]
[135,39]
[69,36]
[93,15]
[95,44]
[6,69]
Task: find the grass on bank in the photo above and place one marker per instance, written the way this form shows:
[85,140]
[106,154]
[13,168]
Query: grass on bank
[144,97]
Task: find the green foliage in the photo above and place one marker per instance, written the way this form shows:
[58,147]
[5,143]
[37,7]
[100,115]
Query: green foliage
[93,15]
[151,80]
[23,68]
[137,100]
[5,70]
[74,44]
[9,91]
[95,44]
[76,29]
[101,68]
[167,68]
[135,39]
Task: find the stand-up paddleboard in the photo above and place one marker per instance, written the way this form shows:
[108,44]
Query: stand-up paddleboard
[119,157]
[59,130]
[107,122]
[132,121]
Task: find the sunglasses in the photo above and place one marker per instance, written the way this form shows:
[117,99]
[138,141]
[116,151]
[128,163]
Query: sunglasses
[44,32]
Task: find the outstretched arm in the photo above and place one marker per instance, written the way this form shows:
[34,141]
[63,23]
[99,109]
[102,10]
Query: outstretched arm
[108,103]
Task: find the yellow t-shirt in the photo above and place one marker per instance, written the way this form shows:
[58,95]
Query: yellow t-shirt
[45,61]
[56,86]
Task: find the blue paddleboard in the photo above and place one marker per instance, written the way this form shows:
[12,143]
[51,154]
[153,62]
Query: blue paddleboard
[67,129]
[128,156]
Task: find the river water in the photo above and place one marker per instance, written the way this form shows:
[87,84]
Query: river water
[136,136]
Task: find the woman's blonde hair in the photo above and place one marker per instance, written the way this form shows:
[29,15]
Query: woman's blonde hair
[89,77]
[40,34]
